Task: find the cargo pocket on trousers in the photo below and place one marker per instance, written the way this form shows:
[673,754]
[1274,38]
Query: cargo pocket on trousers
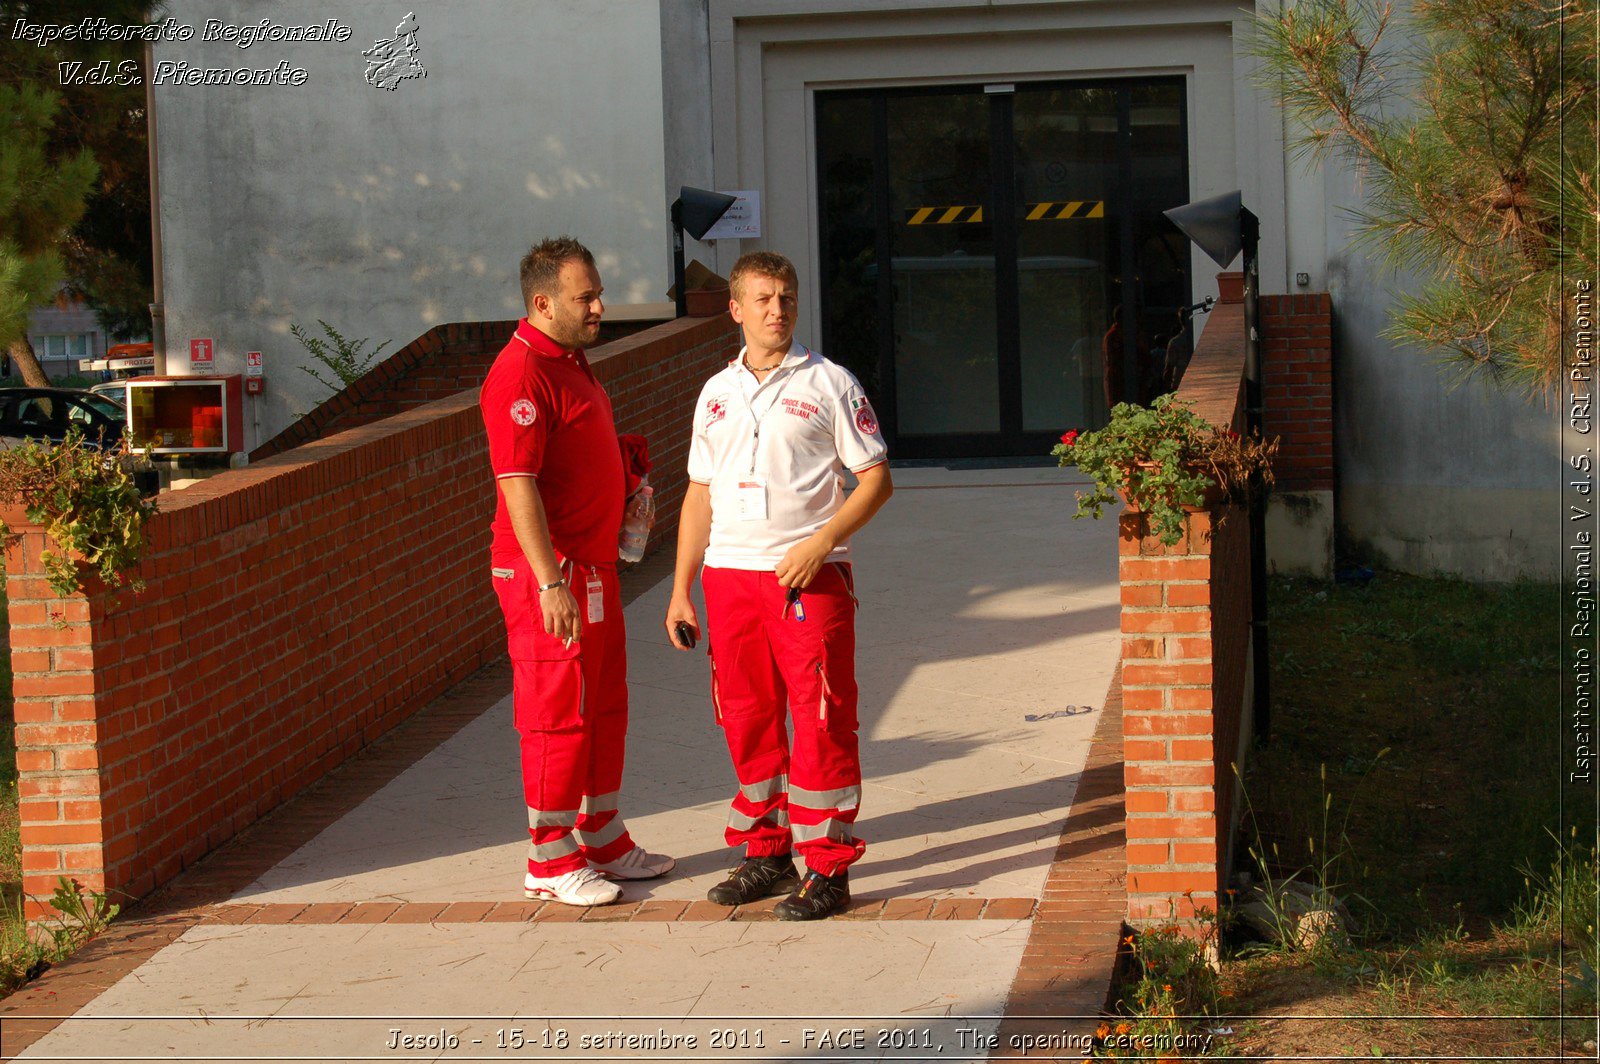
[547,694]
[834,713]
[716,695]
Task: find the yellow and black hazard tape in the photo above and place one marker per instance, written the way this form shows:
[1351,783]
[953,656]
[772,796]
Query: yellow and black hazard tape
[943,215]
[1061,211]
[965,214]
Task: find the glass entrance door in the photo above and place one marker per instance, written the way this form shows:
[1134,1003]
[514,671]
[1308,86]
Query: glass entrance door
[974,244]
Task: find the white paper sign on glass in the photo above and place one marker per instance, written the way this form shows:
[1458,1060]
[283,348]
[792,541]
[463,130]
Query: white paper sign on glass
[743,220]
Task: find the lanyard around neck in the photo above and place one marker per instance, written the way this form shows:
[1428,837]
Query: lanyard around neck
[750,407]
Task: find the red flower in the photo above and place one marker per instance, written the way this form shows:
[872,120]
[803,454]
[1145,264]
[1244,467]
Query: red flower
[1069,437]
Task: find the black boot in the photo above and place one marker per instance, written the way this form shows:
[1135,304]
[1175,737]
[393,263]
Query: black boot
[756,877]
[818,896]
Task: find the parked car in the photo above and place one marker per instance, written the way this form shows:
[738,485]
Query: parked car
[114,390]
[47,414]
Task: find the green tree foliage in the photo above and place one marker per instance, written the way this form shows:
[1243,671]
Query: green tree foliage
[1473,123]
[41,198]
[107,254]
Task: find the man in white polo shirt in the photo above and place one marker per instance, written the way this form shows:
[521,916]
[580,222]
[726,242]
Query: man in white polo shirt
[767,516]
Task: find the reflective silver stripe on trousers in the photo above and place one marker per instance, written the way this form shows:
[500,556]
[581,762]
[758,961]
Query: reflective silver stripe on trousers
[604,836]
[765,790]
[565,846]
[599,803]
[838,798]
[836,830]
[739,822]
[545,818]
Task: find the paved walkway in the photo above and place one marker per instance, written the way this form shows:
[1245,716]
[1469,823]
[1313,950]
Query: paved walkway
[988,639]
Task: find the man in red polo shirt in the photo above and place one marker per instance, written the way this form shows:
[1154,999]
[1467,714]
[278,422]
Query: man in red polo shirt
[558,467]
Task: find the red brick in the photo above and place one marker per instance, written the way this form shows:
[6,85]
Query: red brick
[1173,882]
[1170,827]
[1191,698]
[1192,750]
[1147,802]
[1166,723]
[1144,750]
[1008,909]
[1148,853]
[1189,594]
[1143,698]
[1134,673]
[370,912]
[1139,569]
[1195,853]
[1177,621]
[1141,594]
[1142,648]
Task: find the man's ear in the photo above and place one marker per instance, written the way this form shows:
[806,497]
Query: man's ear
[540,305]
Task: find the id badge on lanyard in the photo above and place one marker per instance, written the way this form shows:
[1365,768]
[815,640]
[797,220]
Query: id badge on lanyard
[752,504]
[752,498]
[597,599]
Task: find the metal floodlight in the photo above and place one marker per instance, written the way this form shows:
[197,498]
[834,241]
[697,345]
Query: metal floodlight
[1213,224]
[695,211]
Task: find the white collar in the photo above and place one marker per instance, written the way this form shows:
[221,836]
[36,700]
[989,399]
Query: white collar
[797,354]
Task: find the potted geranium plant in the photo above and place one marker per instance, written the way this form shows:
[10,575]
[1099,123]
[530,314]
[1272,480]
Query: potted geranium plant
[91,502]
[1164,459]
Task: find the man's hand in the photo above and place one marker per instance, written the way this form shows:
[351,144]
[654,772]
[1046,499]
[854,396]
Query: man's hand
[681,609]
[561,617]
[803,561]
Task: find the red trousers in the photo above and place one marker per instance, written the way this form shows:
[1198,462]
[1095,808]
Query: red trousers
[766,659]
[570,706]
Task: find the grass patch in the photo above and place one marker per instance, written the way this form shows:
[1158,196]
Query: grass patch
[1424,714]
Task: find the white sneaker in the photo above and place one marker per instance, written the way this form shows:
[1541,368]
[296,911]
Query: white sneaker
[581,886]
[637,863]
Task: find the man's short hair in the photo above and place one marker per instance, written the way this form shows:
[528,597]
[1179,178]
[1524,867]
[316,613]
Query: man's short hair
[541,266]
[761,264]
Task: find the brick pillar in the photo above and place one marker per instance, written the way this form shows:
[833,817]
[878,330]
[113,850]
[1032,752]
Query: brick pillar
[58,763]
[1168,723]
[1297,407]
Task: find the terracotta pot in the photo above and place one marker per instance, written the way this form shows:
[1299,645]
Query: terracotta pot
[706,302]
[1230,287]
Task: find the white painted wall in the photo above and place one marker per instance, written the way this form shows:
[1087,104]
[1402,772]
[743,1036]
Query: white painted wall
[388,212]
[1431,480]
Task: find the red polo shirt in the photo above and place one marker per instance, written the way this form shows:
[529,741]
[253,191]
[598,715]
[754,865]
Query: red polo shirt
[548,418]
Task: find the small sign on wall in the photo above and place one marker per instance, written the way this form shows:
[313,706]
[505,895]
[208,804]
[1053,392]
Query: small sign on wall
[200,354]
[252,363]
[743,220]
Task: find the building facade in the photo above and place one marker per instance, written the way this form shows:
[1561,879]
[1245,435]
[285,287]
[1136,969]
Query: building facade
[972,193]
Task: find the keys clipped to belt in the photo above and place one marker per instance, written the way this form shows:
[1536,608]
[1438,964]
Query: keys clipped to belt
[792,602]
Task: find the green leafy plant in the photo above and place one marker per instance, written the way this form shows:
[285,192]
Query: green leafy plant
[1301,908]
[1175,982]
[86,500]
[24,955]
[1162,458]
[1565,903]
[347,360]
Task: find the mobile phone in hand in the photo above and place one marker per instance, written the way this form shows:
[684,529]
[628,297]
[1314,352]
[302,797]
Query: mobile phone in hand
[685,634]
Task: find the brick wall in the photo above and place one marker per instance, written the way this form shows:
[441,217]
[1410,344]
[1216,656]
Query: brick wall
[1297,388]
[1185,636]
[266,649]
[441,362]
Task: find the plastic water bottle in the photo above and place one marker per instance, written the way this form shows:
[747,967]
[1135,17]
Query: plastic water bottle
[637,519]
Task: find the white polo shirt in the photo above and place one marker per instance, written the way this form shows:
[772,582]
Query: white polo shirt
[788,440]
